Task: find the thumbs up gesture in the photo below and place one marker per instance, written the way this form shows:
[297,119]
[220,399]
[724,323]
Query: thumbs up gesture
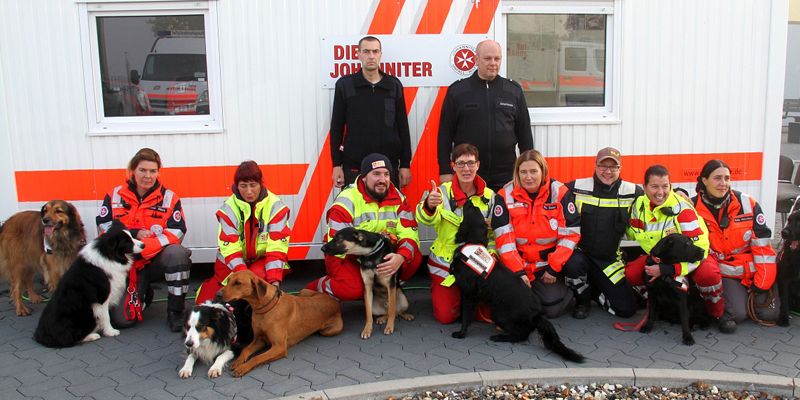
[434,197]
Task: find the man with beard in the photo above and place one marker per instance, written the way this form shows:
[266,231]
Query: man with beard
[369,116]
[374,204]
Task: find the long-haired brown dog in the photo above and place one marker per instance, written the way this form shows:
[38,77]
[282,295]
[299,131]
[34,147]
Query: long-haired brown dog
[45,241]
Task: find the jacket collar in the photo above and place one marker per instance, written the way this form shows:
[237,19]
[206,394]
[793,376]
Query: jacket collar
[132,188]
[393,197]
[602,187]
[460,197]
[542,196]
[477,79]
[361,81]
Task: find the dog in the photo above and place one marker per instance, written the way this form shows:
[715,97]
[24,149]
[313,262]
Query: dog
[788,265]
[215,334]
[666,295]
[32,241]
[514,306]
[386,299]
[279,320]
[79,307]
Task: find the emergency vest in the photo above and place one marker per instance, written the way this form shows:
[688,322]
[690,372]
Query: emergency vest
[604,221]
[648,226]
[742,248]
[159,211]
[391,215]
[447,217]
[271,235]
[545,231]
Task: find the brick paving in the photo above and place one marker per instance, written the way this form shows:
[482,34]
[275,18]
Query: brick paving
[143,362]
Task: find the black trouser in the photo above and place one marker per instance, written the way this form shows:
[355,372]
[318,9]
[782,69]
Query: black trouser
[172,265]
[585,275]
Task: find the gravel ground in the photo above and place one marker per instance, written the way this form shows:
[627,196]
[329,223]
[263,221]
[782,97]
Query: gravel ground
[594,391]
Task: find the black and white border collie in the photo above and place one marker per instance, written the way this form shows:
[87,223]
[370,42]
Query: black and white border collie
[210,335]
[78,309]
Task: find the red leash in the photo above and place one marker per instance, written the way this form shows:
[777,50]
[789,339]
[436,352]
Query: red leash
[632,326]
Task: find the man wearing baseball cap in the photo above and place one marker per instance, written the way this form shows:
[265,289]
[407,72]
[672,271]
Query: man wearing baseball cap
[603,201]
[374,204]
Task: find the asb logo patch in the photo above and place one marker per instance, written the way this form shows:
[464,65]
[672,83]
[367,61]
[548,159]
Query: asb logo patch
[498,211]
[177,216]
[760,219]
[747,236]
[553,224]
[103,211]
[157,229]
[571,208]
[462,59]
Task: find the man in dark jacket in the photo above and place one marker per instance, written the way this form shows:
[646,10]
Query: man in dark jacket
[488,111]
[369,116]
[603,201]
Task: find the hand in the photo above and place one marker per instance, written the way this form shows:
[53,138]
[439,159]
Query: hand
[654,271]
[548,279]
[446,178]
[338,176]
[391,265]
[276,284]
[405,177]
[525,280]
[434,197]
[144,233]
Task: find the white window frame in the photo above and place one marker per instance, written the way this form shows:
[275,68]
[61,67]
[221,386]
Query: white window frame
[610,112]
[99,124]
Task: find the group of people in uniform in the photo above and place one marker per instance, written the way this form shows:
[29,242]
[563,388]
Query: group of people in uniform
[565,241]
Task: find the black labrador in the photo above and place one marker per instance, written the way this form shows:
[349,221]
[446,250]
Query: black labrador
[789,265]
[515,308]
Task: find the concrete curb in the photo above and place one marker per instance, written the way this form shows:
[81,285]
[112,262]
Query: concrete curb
[775,385]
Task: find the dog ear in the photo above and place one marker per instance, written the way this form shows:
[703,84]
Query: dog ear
[43,210]
[260,288]
[360,238]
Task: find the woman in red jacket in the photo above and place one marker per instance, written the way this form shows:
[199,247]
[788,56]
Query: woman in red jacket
[740,242]
[537,228]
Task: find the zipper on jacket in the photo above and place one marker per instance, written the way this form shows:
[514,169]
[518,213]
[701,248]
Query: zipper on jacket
[489,129]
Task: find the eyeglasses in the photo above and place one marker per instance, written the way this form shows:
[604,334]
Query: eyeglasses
[604,168]
[462,164]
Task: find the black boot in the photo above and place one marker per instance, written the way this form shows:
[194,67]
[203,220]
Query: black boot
[582,305]
[175,306]
[727,323]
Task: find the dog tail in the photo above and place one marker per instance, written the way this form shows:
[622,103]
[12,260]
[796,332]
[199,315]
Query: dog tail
[552,342]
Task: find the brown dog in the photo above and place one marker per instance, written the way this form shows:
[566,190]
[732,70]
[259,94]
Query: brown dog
[279,320]
[46,241]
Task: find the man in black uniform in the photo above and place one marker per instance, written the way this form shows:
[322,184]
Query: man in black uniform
[488,111]
[603,201]
[369,116]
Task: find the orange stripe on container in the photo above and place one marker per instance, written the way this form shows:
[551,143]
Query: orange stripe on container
[187,182]
[433,16]
[425,165]
[683,168]
[386,15]
[481,16]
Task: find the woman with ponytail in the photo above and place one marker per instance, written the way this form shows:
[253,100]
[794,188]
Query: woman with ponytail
[740,243]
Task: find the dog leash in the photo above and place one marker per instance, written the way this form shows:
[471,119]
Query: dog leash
[632,326]
[274,298]
[753,305]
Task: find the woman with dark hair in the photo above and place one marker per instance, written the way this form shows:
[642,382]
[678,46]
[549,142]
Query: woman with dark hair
[253,232]
[659,213]
[537,228]
[154,215]
[740,243]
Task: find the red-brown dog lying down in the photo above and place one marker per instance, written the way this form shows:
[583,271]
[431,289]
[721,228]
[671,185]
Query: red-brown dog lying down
[280,320]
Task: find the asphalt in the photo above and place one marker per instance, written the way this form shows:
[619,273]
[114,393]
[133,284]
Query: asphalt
[143,362]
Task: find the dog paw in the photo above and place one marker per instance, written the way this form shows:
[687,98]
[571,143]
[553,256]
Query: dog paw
[35,298]
[111,332]
[645,329]
[187,372]
[214,372]
[406,316]
[366,333]
[23,311]
[688,340]
[380,320]
[388,330]
[91,337]
[240,371]
[459,335]
[783,321]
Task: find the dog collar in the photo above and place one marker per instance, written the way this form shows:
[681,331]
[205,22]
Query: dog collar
[275,297]
[378,246]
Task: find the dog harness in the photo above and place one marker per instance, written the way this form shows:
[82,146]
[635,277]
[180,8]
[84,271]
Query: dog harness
[478,258]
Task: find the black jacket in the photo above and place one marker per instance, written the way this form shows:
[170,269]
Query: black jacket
[369,118]
[602,227]
[492,115]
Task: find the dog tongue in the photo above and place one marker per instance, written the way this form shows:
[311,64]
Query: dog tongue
[48,230]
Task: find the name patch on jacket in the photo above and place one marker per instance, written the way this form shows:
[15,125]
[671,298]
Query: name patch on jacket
[517,205]
[550,207]
[159,209]
[508,105]
[743,218]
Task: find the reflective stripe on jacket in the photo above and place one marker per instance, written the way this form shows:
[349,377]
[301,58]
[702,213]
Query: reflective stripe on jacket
[248,233]
[447,216]
[743,248]
[676,215]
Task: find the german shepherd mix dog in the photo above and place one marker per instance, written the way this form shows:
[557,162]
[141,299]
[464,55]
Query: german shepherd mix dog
[666,295]
[79,307]
[383,296]
[515,308]
[44,241]
[788,265]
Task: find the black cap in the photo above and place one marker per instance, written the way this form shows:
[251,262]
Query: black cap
[375,161]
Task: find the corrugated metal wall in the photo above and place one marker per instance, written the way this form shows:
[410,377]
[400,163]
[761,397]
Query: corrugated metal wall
[693,81]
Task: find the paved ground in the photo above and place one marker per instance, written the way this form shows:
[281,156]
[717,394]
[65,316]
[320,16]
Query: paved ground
[142,363]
